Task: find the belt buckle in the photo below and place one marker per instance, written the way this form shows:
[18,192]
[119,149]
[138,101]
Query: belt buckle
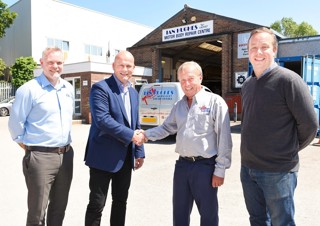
[61,150]
[192,158]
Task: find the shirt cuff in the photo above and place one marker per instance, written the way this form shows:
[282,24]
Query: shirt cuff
[219,172]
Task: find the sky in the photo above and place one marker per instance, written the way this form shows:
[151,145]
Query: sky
[153,13]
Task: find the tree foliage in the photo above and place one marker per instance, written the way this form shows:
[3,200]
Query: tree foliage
[3,66]
[6,18]
[22,70]
[291,29]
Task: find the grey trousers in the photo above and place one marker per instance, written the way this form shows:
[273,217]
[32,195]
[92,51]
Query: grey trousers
[48,178]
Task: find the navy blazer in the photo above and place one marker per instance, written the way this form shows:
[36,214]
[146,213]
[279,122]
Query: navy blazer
[110,134]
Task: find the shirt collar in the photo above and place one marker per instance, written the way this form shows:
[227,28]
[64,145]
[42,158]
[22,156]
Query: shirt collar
[120,84]
[44,82]
[196,97]
[273,65]
[199,95]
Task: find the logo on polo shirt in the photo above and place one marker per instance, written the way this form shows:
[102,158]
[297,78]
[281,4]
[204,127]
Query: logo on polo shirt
[204,109]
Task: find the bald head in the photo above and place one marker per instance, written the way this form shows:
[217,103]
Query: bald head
[123,66]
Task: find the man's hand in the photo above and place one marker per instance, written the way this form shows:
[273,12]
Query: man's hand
[217,181]
[138,137]
[23,146]
[145,137]
[138,163]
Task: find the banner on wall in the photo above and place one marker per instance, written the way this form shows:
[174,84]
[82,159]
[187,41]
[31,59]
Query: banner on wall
[243,45]
[188,31]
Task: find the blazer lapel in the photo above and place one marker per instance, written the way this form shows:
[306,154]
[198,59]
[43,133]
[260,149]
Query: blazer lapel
[114,87]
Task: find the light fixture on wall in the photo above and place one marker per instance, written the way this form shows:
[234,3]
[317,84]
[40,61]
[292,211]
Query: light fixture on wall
[185,19]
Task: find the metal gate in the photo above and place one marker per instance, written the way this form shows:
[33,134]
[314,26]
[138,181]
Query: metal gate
[7,90]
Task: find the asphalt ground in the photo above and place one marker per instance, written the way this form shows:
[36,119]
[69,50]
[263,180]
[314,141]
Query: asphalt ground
[150,196]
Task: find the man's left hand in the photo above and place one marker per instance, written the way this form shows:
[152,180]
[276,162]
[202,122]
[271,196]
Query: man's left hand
[217,181]
[138,163]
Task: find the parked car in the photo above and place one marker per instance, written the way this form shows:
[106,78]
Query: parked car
[5,106]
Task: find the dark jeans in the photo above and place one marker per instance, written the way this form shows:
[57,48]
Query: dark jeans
[99,185]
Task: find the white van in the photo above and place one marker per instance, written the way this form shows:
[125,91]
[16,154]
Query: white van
[156,101]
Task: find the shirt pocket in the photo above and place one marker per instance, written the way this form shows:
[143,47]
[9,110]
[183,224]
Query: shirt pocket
[202,122]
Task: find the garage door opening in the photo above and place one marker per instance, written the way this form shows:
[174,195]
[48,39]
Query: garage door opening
[207,53]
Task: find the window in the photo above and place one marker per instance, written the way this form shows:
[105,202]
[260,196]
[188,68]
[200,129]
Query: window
[93,50]
[63,45]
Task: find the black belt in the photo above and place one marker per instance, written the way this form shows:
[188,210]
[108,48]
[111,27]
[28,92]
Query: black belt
[59,150]
[192,158]
[195,158]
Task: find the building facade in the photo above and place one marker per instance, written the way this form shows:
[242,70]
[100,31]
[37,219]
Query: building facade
[90,41]
[219,45]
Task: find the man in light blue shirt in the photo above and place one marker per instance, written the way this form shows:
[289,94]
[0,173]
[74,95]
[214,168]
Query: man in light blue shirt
[40,122]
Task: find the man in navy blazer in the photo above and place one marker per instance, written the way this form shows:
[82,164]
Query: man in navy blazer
[115,145]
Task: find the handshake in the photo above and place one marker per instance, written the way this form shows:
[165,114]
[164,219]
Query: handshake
[139,137]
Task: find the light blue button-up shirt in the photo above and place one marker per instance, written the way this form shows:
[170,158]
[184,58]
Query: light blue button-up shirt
[125,95]
[42,114]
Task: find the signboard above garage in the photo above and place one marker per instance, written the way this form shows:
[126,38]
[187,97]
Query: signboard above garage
[188,31]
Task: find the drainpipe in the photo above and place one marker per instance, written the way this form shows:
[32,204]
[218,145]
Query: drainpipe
[160,76]
[235,112]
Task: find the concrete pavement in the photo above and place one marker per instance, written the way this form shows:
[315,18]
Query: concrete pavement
[151,190]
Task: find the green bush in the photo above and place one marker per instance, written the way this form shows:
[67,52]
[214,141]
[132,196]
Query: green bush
[22,70]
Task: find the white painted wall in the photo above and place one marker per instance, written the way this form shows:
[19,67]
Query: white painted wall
[41,19]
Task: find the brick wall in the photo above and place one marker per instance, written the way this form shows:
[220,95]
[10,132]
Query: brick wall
[147,51]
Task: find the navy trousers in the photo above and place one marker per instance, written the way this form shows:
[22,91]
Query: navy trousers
[192,183]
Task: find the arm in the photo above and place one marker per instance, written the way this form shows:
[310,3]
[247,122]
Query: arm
[224,141]
[168,127]
[300,103]
[19,113]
